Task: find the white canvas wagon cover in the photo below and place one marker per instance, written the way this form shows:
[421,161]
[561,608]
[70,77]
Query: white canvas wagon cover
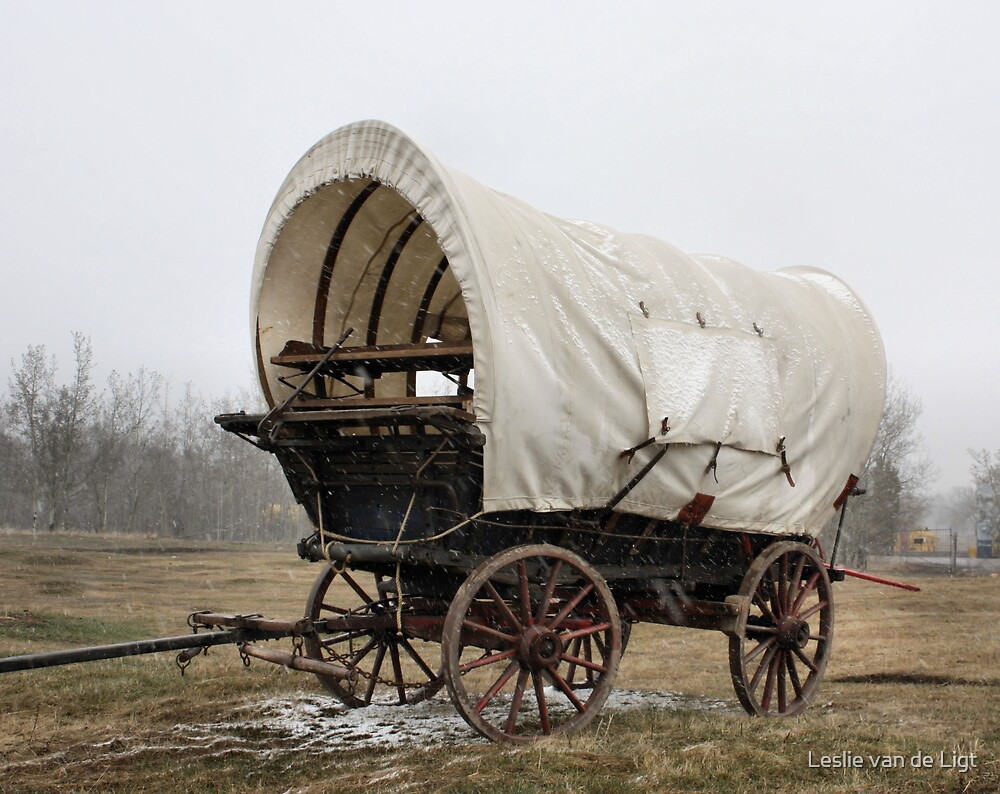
[587,341]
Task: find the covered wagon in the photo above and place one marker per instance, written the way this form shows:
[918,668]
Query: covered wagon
[518,435]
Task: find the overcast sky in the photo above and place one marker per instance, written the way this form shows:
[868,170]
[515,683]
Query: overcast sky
[142,144]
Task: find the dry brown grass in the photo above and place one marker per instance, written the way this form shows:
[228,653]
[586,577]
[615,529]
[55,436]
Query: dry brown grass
[911,672]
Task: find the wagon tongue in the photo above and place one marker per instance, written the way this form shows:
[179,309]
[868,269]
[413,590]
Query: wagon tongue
[837,574]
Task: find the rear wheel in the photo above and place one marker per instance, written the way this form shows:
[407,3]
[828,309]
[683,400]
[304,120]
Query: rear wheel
[531,644]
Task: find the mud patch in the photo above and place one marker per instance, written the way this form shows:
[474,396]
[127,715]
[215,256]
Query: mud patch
[924,679]
[21,620]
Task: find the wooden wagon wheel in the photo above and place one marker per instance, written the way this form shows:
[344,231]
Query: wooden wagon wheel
[508,643]
[383,659]
[784,631]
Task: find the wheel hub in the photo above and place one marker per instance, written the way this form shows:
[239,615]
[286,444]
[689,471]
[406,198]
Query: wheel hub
[793,633]
[540,647]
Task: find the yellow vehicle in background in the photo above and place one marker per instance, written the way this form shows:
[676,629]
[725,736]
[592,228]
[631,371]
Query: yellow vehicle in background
[916,541]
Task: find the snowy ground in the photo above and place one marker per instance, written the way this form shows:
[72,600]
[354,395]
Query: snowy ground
[320,724]
[317,725]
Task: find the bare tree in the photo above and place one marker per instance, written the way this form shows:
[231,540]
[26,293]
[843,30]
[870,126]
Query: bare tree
[52,421]
[27,414]
[895,479]
[15,478]
[986,473]
[120,435]
[986,469]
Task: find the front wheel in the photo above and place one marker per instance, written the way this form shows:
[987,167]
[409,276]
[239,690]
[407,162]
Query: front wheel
[387,661]
[784,631]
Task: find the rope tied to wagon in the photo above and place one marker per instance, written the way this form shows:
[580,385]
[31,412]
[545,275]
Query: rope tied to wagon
[395,547]
[408,542]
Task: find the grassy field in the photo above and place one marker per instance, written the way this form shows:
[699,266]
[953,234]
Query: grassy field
[912,674]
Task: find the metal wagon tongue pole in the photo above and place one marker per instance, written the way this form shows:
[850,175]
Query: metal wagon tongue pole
[34,661]
[240,630]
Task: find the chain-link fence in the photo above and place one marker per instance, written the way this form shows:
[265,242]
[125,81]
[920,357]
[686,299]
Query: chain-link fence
[939,550]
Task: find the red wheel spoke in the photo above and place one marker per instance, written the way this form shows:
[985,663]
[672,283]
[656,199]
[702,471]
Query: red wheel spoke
[805,660]
[602,646]
[490,632]
[339,638]
[588,654]
[751,629]
[491,693]
[772,670]
[775,596]
[485,660]
[504,609]
[543,706]
[783,584]
[574,650]
[782,682]
[337,610]
[411,651]
[543,605]
[515,702]
[359,655]
[356,588]
[812,610]
[585,663]
[573,604]
[793,675]
[522,581]
[765,663]
[575,635]
[795,583]
[397,669]
[373,681]
[762,646]
[765,610]
[810,585]
[567,690]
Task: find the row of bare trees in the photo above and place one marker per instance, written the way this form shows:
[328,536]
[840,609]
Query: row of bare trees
[128,456]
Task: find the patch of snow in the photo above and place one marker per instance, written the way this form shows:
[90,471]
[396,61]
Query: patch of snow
[319,724]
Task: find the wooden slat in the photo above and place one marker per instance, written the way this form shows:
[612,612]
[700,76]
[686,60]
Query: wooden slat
[418,413]
[382,402]
[361,412]
[385,358]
